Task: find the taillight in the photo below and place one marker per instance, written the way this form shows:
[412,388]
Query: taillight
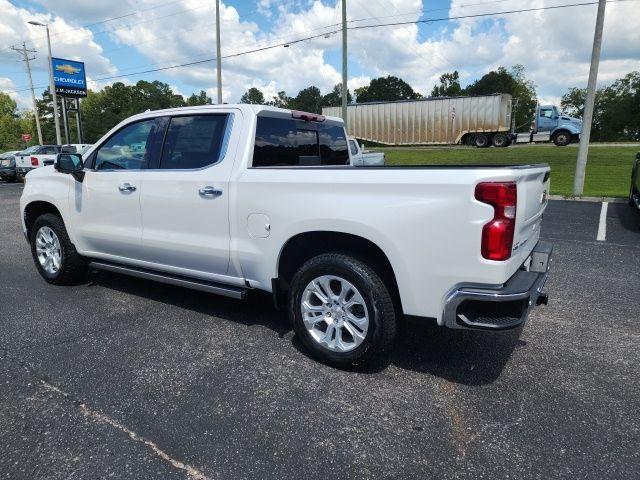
[497,235]
[34,161]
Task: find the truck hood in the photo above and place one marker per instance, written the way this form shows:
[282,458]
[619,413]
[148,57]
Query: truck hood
[570,121]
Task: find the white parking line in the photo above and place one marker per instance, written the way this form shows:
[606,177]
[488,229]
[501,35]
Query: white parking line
[602,226]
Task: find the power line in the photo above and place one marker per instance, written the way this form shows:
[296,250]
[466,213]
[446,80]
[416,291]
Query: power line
[356,27]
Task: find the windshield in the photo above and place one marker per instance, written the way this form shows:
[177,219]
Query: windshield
[29,150]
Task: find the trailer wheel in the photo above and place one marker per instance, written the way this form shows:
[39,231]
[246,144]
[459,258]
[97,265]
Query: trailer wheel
[562,138]
[481,141]
[501,140]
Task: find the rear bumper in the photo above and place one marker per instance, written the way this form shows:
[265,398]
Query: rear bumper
[502,308]
[23,170]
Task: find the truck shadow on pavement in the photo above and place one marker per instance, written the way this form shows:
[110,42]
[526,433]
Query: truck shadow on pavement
[459,356]
[464,357]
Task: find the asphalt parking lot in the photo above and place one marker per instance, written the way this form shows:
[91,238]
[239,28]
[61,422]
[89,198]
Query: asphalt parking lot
[123,378]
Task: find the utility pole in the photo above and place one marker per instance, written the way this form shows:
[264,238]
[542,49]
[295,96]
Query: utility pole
[587,116]
[218,54]
[345,90]
[52,86]
[25,55]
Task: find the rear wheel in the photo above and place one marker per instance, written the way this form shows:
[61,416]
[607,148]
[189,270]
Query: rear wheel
[481,140]
[561,139]
[55,257]
[341,310]
[501,140]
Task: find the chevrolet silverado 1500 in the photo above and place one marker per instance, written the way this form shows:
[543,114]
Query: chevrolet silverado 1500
[234,198]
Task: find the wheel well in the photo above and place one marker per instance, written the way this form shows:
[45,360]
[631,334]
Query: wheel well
[307,245]
[561,130]
[33,210]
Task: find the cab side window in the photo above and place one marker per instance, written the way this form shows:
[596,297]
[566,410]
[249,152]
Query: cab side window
[130,148]
[546,112]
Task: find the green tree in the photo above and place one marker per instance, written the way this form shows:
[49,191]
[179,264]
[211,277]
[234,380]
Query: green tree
[308,100]
[281,100]
[102,110]
[253,96]
[449,85]
[386,89]
[199,99]
[512,82]
[8,106]
[334,98]
[616,114]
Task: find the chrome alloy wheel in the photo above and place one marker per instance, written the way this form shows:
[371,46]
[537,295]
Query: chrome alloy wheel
[334,313]
[48,250]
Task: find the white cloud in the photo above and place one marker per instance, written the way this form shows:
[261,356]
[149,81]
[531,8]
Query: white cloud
[553,45]
[22,99]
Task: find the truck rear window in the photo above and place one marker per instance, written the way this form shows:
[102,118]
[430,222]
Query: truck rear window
[288,142]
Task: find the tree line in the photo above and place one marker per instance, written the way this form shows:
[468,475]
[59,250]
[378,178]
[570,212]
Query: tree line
[616,116]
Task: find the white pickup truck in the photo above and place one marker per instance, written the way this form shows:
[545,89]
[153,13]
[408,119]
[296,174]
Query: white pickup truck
[234,198]
[360,158]
[35,157]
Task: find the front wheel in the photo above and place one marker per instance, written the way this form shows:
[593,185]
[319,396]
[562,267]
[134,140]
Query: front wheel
[55,257]
[341,310]
[562,139]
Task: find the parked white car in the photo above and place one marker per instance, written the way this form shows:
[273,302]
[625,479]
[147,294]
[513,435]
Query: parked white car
[360,158]
[35,157]
[235,198]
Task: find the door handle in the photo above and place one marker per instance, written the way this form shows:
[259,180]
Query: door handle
[209,192]
[127,187]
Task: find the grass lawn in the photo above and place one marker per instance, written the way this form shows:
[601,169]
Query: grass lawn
[608,167]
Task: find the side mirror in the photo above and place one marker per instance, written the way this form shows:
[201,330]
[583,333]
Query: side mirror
[70,163]
[556,117]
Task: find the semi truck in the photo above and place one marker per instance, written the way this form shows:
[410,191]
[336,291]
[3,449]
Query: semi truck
[481,121]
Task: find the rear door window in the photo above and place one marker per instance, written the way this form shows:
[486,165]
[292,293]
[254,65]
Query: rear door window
[193,141]
[288,142]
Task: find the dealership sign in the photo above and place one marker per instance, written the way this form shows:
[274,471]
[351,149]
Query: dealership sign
[69,78]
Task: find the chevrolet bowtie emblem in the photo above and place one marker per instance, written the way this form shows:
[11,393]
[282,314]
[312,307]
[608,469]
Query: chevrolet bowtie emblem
[68,69]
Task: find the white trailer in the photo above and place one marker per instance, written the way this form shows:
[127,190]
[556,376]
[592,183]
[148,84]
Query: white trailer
[475,120]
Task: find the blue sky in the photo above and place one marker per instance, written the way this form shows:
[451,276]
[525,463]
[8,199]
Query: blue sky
[553,45]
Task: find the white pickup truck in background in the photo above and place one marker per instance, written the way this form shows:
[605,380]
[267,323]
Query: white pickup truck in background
[360,158]
[43,155]
[35,157]
[235,198]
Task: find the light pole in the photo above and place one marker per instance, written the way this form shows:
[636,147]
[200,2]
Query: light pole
[218,54]
[52,86]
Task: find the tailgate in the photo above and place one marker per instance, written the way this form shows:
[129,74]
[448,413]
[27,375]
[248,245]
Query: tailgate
[533,190]
[23,161]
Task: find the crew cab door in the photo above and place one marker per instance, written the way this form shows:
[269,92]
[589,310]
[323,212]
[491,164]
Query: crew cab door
[185,200]
[105,206]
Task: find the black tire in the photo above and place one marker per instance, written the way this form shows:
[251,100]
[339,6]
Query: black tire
[378,300]
[561,139]
[481,140]
[500,140]
[73,267]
